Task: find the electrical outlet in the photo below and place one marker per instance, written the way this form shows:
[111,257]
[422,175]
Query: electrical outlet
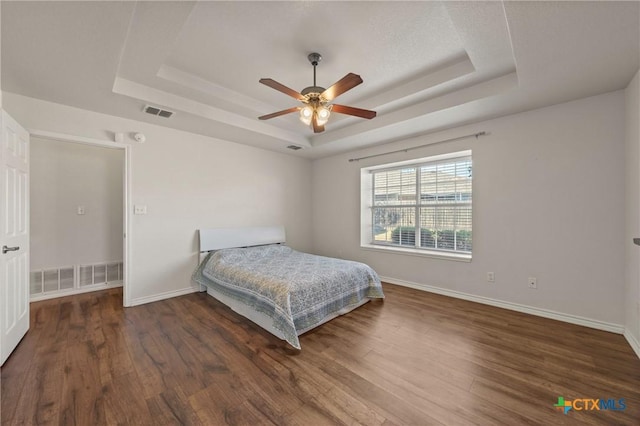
[491,277]
[533,283]
[80,210]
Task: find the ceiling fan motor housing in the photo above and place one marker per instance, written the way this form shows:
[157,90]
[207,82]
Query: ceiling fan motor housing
[314,58]
[317,90]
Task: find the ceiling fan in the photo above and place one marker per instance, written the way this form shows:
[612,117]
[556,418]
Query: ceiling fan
[316,109]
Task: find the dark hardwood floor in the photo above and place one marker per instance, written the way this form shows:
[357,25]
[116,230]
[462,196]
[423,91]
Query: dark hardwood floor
[414,359]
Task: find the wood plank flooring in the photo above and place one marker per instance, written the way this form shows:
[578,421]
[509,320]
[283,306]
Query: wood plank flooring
[414,359]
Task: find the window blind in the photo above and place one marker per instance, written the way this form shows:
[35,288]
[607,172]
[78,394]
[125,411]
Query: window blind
[426,205]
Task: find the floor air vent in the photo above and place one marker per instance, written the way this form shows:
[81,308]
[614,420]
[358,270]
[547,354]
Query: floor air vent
[101,273]
[157,111]
[48,281]
[52,280]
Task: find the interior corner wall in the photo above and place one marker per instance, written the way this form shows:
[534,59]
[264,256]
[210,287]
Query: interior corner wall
[187,182]
[548,202]
[63,177]
[632,210]
[0,55]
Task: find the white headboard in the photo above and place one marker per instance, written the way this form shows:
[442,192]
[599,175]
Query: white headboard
[220,238]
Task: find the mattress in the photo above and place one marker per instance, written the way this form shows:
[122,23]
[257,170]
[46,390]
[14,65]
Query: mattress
[285,291]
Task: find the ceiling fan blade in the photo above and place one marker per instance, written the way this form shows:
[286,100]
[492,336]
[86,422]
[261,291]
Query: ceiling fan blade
[358,112]
[281,88]
[316,127]
[279,113]
[347,82]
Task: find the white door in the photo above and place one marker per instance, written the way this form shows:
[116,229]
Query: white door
[14,237]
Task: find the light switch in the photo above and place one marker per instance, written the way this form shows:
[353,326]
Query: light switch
[80,210]
[140,210]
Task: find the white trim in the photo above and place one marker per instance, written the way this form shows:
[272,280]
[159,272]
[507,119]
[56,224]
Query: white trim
[127,228]
[63,137]
[72,291]
[545,313]
[163,296]
[128,172]
[434,254]
[633,342]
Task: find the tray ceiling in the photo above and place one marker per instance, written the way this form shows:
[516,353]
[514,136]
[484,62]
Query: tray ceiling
[426,66]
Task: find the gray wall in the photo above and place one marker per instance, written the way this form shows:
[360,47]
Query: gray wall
[65,176]
[548,195]
[187,182]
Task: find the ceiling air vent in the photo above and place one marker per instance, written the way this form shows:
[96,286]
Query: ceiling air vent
[157,111]
[294,147]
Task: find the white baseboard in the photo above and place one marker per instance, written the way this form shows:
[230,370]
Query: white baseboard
[162,296]
[633,342]
[72,291]
[572,319]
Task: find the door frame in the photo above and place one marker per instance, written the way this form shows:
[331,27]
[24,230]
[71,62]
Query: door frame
[126,225]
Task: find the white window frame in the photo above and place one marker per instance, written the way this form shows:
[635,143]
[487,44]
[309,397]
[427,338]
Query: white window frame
[366,210]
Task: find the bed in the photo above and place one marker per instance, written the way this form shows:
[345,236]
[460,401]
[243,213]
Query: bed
[284,291]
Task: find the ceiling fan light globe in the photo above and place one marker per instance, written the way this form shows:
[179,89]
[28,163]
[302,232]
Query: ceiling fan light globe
[323,113]
[321,121]
[305,114]
[306,121]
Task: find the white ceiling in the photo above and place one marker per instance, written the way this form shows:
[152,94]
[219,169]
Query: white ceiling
[426,66]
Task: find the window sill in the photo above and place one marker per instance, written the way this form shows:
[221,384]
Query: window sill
[457,257]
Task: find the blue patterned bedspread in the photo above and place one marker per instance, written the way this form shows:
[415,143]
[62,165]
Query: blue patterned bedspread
[297,290]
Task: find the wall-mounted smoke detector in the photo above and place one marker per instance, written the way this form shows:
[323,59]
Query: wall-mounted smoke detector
[294,147]
[157,111]
[139,137]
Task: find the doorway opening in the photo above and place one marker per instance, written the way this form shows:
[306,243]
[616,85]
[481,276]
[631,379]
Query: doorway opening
[79,222]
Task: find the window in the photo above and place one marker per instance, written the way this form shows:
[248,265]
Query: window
[423,205]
